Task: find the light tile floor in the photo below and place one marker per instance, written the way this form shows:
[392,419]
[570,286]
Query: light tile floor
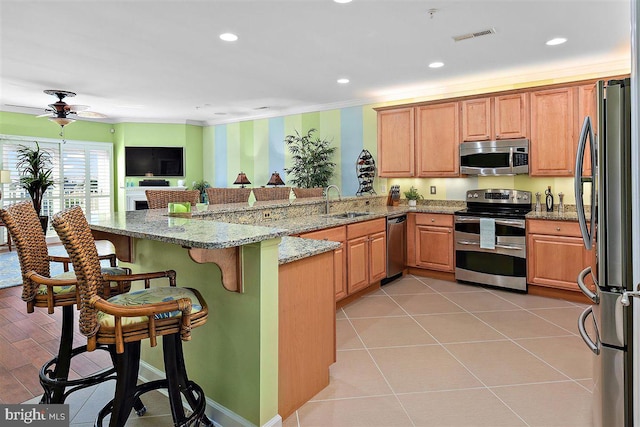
[427,352]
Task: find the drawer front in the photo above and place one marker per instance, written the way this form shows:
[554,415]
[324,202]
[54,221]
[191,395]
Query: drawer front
[335,234]
[439,220]
[554,228]
[365,228]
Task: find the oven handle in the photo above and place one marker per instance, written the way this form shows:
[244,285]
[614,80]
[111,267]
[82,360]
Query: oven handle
[515,222]
[470,243]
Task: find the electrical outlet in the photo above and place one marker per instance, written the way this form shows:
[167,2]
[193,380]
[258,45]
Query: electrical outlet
[383,188]
[432,189]
[266,214]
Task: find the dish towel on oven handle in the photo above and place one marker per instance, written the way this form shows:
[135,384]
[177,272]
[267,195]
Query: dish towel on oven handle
[487,233]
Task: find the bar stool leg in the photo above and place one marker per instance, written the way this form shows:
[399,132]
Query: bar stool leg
[55,393]
[127,367]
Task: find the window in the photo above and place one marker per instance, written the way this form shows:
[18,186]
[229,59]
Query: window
[82,172]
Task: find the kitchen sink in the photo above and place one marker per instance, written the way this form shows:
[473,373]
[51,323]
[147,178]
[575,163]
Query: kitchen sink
[348,214]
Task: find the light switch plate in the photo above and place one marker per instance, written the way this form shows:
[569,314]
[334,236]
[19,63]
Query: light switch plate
[432,189]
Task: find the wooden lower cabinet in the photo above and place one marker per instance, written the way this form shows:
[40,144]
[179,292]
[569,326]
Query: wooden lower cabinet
[555,254]
[366,254]
[335,234]
[430,242]
[306,330]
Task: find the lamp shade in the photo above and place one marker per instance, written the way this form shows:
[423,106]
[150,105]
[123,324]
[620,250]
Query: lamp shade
[275,179]
[242,180]
[5,177]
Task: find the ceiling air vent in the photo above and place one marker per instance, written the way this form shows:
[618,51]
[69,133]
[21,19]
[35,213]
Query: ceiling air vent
[474,35]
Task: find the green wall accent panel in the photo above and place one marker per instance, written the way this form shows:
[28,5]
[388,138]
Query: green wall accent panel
[247,159]
[234,156]
[208,154]
[310,121]
[234,356]
[261,173]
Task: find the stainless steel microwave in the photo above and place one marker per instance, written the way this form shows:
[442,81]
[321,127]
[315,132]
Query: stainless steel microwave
[502,157]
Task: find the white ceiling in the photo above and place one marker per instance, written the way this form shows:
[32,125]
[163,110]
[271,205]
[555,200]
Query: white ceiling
[162,61]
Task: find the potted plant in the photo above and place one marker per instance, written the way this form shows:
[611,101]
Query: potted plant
[413,196]
[311,157]
[201,185]
[35,168]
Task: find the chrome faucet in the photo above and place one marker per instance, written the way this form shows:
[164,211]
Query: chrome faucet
[326,194]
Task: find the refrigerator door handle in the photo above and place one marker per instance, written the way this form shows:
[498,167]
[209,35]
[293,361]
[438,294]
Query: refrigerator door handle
[594,347]
[579,180]
[585,290]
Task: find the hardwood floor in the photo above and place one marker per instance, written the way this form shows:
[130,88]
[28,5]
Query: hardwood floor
[27,341]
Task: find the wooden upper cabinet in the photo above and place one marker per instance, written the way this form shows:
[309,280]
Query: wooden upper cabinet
[498,117]
[437,140]
[511,116]
[396,143]
[477,120]
[586,107]
[551,150]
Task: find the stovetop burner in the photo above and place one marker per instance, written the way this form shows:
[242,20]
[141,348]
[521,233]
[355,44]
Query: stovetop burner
[500,203]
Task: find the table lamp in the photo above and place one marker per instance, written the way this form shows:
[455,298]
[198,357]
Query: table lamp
[5,178]
[275,179]
[242,180]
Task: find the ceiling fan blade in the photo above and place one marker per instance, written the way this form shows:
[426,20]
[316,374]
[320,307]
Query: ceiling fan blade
[24,106]
[90,115]
[77,108]
[45,115]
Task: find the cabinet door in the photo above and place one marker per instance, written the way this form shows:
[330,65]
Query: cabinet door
[434,248]
[476,120]
[552,140]
[358,264]
[511,116]
[437,140]
[586,107]
[396,142]
[377,257]
[555,261]
[340,273]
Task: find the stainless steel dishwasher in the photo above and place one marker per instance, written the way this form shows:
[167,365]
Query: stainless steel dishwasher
[396,246]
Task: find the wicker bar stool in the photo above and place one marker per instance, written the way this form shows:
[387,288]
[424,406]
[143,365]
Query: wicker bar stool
[123,321]
[39,290]
[227,195]
[271,193]
[308,192]
[158,199]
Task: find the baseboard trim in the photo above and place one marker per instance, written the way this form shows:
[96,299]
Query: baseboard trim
[221,416]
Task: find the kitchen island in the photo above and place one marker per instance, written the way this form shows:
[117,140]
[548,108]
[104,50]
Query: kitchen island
[235,356]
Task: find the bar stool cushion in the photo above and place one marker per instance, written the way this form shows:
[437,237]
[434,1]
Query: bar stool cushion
[149,296]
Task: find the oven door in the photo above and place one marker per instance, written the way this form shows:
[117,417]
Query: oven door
[505,266]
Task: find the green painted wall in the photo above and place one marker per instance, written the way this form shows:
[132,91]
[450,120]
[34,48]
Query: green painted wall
[234,356]
[28,125]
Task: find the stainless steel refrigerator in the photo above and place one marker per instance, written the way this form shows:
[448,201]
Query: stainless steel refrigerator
[607,325]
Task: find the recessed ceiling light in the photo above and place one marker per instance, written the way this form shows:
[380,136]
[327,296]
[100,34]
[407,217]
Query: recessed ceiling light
[228,37]
[343,81]
[436,64]
[342,1]
[556,41]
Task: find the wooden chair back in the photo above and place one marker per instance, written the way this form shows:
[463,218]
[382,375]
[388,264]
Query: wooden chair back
[308,192]
[159,199]
[227,195]
[271,193]
[24,226]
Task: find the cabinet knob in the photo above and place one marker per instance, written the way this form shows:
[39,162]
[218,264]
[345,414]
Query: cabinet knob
[433,220]
[557,228]
[449,231]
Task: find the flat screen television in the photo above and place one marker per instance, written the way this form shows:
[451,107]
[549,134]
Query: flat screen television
[159,161]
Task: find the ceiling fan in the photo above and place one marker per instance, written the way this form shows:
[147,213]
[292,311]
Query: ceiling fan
[63,113]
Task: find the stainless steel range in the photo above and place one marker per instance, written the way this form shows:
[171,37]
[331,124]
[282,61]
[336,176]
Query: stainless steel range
[490,238]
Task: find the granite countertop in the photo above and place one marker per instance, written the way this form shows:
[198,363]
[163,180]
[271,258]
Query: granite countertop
[201,230]
[155,224]
[553,216]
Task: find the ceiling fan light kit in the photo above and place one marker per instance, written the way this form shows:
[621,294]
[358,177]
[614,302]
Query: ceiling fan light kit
[59,111]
